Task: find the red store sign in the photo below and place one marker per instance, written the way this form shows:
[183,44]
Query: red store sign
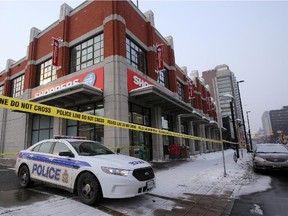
[93,78]
[136,81]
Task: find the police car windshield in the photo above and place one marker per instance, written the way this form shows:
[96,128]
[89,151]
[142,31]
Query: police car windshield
[85,148]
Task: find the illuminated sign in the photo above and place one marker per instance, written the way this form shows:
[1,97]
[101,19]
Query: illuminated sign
[93,78]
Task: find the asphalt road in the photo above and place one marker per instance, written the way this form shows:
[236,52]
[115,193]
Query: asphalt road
[272,202]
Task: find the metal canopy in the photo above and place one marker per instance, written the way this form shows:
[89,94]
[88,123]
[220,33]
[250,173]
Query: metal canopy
[71,96]
[156,97]
[196,117]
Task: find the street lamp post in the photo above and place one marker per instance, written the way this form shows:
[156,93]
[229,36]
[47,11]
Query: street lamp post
[243,123]
[249,131]
[233,121]
[234,127]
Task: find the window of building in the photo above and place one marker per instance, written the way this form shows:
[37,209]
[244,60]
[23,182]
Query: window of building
[163,78]
[90,131]
[180,90]
[141,116]
[47,72]
[17,86]
[136,56]
[2,90]
[42,128]
[167,125]
[88,53]
[184,130]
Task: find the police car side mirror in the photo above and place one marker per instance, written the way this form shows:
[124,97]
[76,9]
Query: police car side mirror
[66,154]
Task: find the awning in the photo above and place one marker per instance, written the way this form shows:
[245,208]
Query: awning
[71,96]
[156,97]
[196,117]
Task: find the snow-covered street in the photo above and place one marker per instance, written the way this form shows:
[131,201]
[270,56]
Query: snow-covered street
[199,180]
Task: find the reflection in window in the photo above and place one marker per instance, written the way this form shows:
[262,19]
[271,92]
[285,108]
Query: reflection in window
[180,90]
[88,53]
[17,86]
[136,56]
[47,72]
[141,116]
[1,90]
[42,128]
[90,131]
[163,78]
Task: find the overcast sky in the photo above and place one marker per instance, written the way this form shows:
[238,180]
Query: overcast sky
[251,37]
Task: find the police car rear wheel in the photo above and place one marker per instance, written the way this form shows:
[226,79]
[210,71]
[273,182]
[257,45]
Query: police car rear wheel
[88,188]
[24,176]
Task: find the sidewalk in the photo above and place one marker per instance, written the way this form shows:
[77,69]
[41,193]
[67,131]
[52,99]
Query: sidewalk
[201,182]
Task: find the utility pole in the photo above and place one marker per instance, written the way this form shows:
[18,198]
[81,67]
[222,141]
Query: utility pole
[249,131]
[243,123]
[234,128]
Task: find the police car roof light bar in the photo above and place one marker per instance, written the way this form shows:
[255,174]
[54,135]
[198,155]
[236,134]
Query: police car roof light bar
[68,137]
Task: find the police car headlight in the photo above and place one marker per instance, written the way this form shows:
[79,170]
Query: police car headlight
[259,159]
[115,171]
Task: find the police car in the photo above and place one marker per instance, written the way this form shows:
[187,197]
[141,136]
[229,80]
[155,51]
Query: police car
[85,167]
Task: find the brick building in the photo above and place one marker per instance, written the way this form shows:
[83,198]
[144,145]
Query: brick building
[106,67]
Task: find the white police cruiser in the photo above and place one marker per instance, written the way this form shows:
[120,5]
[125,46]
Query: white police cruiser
[85,167]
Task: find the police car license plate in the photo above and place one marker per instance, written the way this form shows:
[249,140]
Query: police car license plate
[150,184]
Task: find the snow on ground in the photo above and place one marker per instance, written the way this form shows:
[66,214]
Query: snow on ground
[201,174]
[204,174]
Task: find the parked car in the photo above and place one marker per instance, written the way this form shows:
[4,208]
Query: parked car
[270,157]
[84,167]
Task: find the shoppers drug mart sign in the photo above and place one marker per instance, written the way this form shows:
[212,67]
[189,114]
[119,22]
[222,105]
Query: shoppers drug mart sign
[93,78]
[136,81]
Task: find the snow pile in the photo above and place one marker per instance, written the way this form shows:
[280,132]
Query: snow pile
[204,174]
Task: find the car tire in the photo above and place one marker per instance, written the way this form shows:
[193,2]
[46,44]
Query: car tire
[24,176]
[88,188]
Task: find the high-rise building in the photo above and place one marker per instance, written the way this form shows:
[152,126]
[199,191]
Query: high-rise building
[279,121]
[223,82]
[266,123]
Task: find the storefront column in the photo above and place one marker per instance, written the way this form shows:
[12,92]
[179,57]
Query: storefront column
[157,140]
[191,142]
[116,102]
[203,135]
[209,136]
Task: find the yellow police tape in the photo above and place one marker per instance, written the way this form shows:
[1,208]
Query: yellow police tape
[41,109]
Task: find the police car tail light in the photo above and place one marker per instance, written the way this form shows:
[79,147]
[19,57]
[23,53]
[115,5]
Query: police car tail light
[115,171]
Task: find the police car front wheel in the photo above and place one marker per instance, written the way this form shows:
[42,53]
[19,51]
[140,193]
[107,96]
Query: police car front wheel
[88,188]
[24,176]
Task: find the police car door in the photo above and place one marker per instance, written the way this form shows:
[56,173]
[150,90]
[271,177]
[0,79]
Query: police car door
[42,163]
[64,164]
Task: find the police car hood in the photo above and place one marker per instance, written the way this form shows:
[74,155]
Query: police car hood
[118,161]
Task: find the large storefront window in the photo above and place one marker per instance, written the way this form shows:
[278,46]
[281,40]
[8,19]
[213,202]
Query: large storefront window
[17,86]
[184,130]
[84,129]
[141,140]
[47,72]
[167,125]
[88,53]
[42,128]
[136,56]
